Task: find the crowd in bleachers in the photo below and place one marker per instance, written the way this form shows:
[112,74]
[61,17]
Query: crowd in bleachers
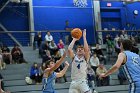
[48,50]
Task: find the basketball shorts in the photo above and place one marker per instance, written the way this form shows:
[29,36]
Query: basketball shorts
[79,86]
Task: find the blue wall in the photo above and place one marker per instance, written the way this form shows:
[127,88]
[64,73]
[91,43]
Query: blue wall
[14,17]
[52,14]
[119,14]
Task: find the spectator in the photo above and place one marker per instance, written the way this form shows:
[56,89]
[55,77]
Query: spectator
[37,40]
[133,40]
[34,73]
[116,39]
[46,57]
[53,47]
[2,64]
[102,81]
[60,46]
[68,29]
[124,35]
[100,54]
[2,83]
[94,61]
[110,44]
[17,55]
[42,68]
[7,58]
[48,37]
[43,48]
[121,76]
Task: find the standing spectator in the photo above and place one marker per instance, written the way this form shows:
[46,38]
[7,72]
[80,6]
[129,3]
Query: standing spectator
[53,47]
[94,61]
[60,46]
[7,58]
[124,35]
[17,55]
[102,81]
[43,48]
[48,37]
[34,73]
[68,29]
[110,44]
[100,54]
[37,40]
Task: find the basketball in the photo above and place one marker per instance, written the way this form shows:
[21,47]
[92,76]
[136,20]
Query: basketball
[76,33]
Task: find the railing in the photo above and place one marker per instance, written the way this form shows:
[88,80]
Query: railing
[24,37]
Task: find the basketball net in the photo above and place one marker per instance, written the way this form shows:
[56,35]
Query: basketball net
[80,3]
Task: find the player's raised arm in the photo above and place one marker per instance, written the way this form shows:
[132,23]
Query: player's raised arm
[70,47]
[86,48]
[58,63]
[61,73]
[116,66]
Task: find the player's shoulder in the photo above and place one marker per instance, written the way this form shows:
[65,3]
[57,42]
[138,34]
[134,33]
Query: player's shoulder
[121,54]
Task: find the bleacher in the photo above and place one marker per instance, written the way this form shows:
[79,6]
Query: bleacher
[14,77]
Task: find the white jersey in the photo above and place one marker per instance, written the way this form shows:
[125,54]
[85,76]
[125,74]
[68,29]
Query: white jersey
[79,68]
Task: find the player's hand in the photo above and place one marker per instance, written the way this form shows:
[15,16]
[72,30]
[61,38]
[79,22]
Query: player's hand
[75,39]
[102,76]
[66,63]
[84,33]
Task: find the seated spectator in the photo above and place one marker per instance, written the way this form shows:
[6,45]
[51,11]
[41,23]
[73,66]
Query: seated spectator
[100,54]
[60,46]
[46,57]
[2,83]
[53,47]
[34,73]
[2,64]
[91,77]
[102,81]
[48,37]
[42,68]
[43,48]
[121,76]
[17,55]
[7,57]
[124,35]
[94,61]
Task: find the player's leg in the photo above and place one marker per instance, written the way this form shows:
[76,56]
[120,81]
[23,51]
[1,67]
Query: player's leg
[84,88]
[73,88]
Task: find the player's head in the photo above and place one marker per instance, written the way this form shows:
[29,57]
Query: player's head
[80,50]
[126,45]
[50,63]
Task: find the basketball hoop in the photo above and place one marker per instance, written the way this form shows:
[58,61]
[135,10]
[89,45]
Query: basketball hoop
[80,3]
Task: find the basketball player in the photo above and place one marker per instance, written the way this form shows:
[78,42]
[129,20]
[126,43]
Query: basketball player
[131,65]
[50,76]
[79,67]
